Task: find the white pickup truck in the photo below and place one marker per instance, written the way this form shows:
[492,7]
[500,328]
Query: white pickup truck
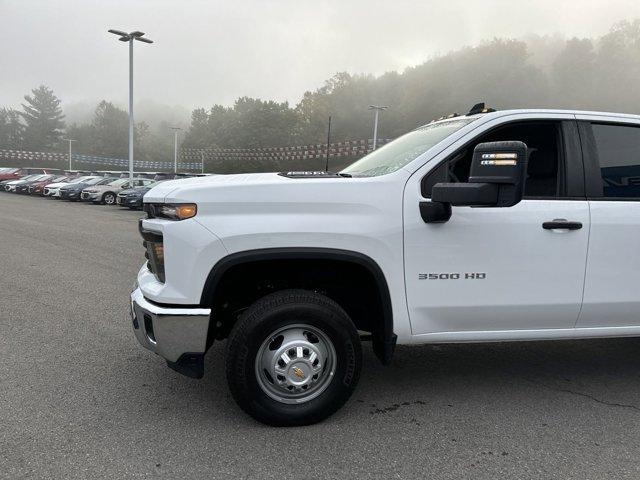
[491,226]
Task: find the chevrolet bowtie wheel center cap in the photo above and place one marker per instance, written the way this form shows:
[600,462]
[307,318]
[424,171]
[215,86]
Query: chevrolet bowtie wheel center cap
[295,364]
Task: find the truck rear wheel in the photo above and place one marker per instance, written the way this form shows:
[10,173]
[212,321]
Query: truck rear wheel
[293,358]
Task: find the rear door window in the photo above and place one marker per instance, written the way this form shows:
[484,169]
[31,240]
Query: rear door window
[618,148]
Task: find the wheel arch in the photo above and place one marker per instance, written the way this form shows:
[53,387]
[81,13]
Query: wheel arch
[383,337]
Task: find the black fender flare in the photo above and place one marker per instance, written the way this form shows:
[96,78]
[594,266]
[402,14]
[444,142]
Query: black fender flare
[384,339]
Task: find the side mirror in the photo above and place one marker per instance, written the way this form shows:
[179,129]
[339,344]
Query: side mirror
[496,179]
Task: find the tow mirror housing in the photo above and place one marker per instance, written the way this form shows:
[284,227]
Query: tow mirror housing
[496,179]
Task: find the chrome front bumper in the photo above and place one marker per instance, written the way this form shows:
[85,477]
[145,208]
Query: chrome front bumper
[169,332]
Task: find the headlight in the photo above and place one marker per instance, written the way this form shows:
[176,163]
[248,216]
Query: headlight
[171,211]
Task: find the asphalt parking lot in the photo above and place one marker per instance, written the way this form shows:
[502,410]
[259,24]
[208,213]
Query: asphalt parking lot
[79,398]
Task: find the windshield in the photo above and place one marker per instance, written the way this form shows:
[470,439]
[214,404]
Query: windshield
[395,155]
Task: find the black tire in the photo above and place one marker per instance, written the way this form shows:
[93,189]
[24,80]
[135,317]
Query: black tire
[258,323]
[109,198]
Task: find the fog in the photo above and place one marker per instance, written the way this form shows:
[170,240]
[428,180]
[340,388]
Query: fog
[212,52]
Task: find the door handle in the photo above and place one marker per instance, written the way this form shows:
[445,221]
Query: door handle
[561,224]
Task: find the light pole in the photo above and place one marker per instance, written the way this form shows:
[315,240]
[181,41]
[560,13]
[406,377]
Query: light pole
[175,148]
[70,140]
[130,37]
[377,109]
[326,162]
[202,158]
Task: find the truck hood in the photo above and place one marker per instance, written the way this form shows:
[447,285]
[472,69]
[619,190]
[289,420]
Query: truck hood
[180,190]
[266,193]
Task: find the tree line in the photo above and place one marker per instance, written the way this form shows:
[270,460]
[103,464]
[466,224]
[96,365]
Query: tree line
[538,72]
[548,72]
[40,127]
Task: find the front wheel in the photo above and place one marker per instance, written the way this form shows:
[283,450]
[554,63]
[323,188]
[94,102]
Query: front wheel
[109,198]
[293,358]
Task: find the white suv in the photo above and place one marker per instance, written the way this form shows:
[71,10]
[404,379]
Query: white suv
[492,226]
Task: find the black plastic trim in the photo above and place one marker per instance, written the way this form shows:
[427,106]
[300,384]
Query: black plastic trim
[310,174]
[614,199]
[582,199]
[562,225]
[592,174]
[574,174]
[189,364]
[148,235]
[383,340]
[466,194]
[435,212]
[154,265]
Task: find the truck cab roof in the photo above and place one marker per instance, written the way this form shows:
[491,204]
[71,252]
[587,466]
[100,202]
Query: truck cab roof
[535,111]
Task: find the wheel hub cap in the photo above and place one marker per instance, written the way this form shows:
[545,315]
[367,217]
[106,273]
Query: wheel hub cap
[295,364]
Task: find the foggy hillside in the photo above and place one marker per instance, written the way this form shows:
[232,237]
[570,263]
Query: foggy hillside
[535,71]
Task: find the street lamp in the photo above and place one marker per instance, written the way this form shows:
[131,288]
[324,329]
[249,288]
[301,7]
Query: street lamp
[130,37]
[175,148]
[377,109]
[69,140]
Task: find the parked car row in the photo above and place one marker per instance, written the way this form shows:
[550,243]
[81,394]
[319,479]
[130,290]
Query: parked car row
[98,187]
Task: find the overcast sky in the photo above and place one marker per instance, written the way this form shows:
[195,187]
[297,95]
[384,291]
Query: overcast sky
[208,52]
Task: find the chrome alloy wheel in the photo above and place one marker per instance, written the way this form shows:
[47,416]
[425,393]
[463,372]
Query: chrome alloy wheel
[109,199]
[295,364]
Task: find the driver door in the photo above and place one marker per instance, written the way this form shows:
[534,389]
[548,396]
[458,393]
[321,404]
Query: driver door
[490,271]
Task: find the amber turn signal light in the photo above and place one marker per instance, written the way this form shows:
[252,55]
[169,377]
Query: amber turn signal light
[185,211]
[171,211]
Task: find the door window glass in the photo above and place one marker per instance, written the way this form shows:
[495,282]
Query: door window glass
[619,155]
[544,177]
